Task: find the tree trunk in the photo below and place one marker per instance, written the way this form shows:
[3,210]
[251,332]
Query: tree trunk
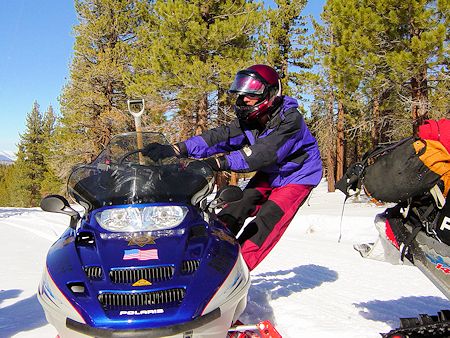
[221,106]
[184,125]
[330,165]
[330,153]
[419,85]
[419,92]
[356,150]
[374,133]
[202,115]
[340,142]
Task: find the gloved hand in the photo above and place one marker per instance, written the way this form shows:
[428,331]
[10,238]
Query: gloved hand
[217,163]
[350,183]
[157,151]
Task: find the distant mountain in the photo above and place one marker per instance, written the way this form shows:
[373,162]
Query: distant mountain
[7,157]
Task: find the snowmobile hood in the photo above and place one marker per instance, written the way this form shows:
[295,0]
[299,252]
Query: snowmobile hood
[161,277]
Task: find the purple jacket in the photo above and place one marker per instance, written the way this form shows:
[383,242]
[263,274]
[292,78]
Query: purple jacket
[285,149]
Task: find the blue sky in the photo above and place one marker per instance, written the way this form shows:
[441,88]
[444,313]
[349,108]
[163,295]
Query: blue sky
[35,51]
[36,47]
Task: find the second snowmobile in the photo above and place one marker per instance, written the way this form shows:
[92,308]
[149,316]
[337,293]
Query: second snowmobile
[416,230]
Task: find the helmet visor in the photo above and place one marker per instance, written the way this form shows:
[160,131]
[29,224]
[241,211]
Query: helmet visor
[246,84]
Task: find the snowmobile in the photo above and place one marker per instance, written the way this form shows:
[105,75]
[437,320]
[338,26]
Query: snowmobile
[410,233]
[149,257]
[414,231]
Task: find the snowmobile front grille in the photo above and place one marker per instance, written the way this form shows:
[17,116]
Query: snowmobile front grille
[128,299]
[190,266]
[155,274]
[93,272]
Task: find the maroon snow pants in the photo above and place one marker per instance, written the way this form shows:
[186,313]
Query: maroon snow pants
[274,209]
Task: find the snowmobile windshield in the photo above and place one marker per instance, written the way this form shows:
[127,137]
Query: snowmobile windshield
[121,175]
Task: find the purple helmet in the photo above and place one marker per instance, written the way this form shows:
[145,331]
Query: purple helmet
[258,81]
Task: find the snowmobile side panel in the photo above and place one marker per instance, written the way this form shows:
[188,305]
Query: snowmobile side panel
[432,258]
[425,252]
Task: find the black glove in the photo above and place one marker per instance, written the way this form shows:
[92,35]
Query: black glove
[157,151]
[350,183]
[217,163]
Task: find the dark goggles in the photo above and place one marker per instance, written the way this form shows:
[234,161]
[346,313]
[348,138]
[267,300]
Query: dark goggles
[247,84]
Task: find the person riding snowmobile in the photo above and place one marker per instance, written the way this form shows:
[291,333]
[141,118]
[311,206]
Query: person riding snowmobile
[269,136]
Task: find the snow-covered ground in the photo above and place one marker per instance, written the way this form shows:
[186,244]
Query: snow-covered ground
[310,285]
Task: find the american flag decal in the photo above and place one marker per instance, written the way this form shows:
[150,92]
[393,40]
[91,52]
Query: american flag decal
[140,255]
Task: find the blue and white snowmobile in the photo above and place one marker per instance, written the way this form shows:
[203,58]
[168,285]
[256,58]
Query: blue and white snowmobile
[148,258]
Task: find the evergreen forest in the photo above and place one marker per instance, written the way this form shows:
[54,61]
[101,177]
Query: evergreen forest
[366,73]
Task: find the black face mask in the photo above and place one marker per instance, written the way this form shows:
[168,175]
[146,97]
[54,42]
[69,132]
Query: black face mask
[243,110]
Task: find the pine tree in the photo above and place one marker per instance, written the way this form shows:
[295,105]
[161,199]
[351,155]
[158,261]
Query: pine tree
[381,60]
[396,48]
[421,47]
[189,52]
[7,178]
[51,183]
[288,47]
[402,52]
[94,100]
[339,65]
[323,121]
[30,165]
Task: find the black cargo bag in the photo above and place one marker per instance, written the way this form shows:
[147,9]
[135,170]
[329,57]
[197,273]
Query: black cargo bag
[398,174]
[399,171]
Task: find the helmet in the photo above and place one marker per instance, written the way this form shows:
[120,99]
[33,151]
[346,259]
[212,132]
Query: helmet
[258,81]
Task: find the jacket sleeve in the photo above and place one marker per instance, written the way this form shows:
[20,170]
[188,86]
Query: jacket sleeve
[214,141]
[272,148]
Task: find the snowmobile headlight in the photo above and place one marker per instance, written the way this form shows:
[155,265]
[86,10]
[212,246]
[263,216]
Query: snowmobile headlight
[163,217]
[141,219]
[126,219]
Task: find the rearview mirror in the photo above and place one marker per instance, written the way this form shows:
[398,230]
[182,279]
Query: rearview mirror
[58,204]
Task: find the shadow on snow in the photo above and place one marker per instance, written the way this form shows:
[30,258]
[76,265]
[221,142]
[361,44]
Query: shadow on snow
[273,285]
[24,315]
[390,311]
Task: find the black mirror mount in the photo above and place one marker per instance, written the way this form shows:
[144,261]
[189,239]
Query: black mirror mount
[58,204]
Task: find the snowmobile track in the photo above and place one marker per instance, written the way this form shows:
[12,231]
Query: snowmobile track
[423,327]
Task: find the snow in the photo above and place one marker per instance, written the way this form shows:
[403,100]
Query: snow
[310,285]
[8,154]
